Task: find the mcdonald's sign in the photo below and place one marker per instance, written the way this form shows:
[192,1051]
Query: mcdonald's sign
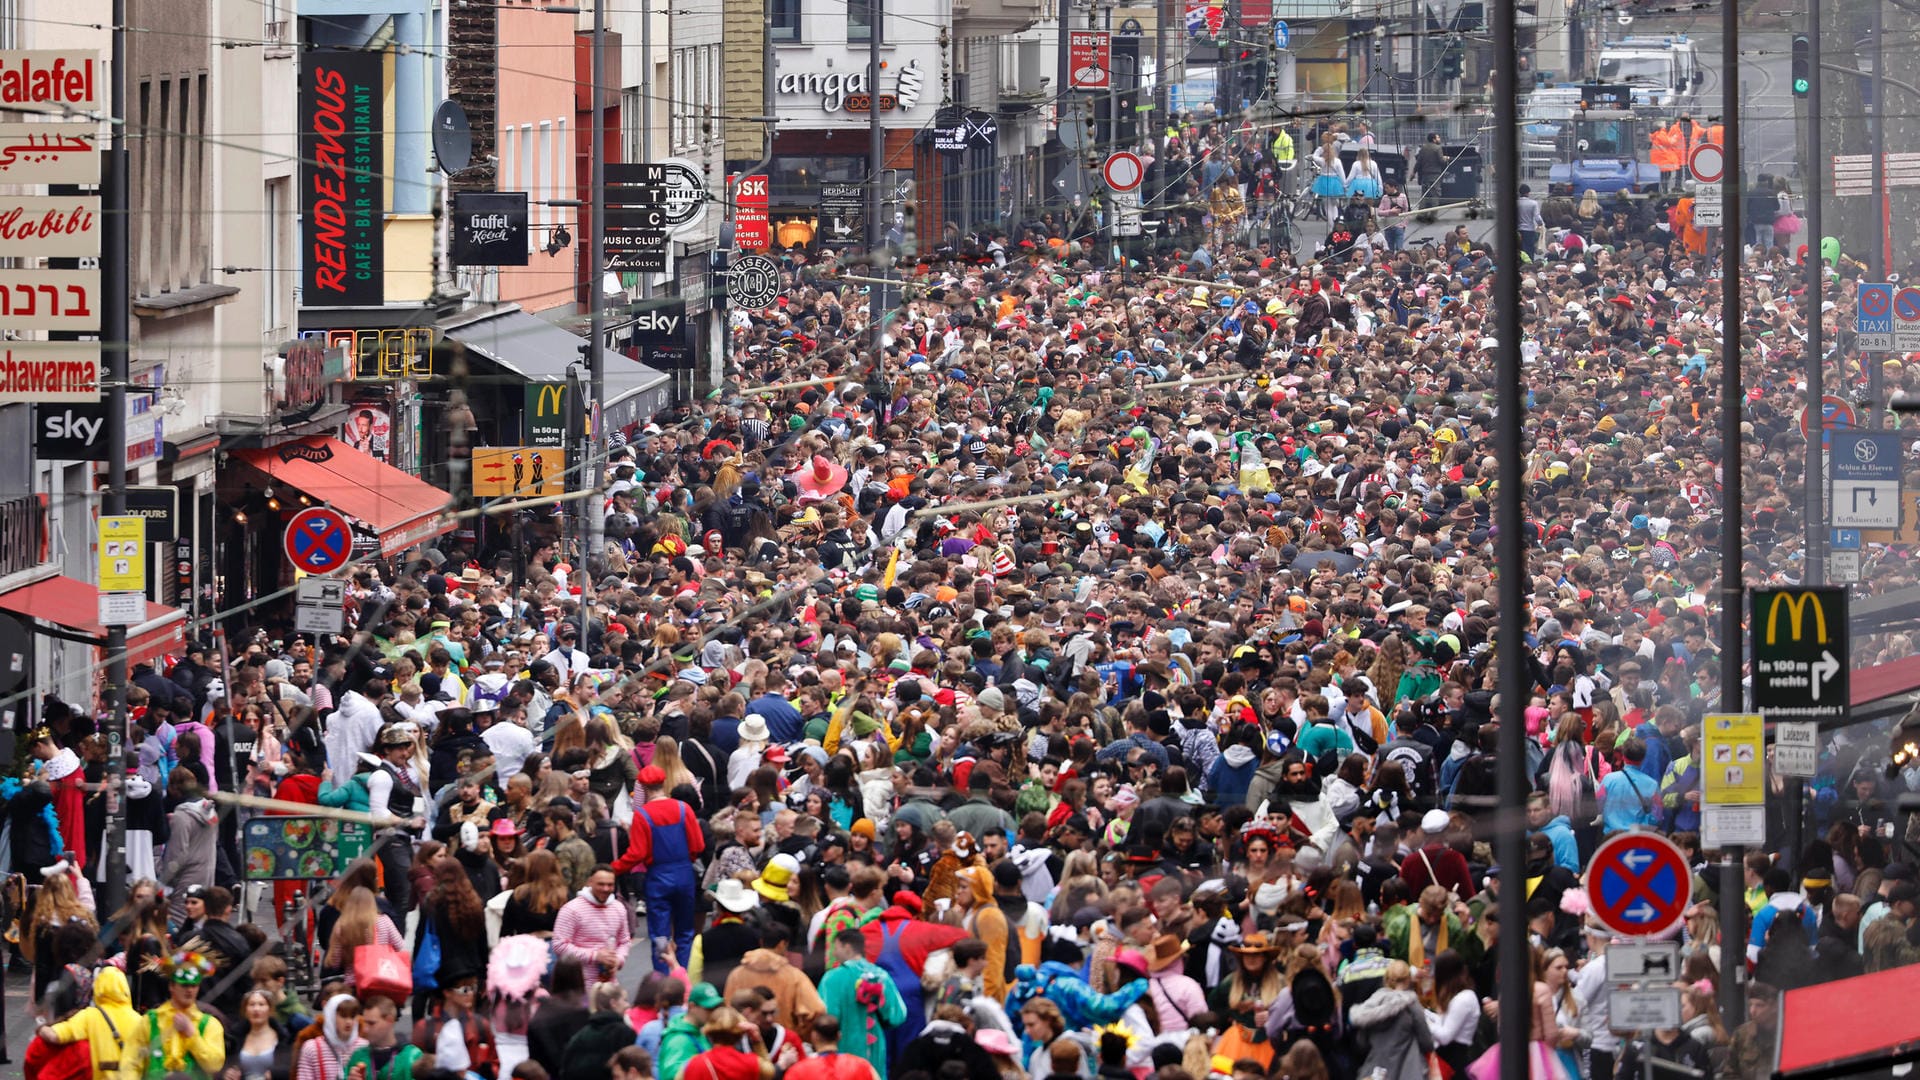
[1800,653]
[546,417]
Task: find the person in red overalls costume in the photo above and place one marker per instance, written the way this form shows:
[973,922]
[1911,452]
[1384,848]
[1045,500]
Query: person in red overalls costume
[665,839]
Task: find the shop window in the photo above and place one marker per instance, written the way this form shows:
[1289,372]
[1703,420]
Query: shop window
[800,175]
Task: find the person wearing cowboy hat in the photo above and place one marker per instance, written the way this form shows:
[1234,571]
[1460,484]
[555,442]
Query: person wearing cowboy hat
[176,1036]
[1177,999]
[1243,997]
[394,797]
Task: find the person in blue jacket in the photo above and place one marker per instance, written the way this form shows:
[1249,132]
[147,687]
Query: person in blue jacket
[1232,772]
[1782,900]
[1556,828]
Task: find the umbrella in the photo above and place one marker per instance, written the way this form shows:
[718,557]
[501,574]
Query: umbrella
[1343,563]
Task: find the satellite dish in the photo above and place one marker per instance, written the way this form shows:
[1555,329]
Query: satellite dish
[452,137]
[13,653]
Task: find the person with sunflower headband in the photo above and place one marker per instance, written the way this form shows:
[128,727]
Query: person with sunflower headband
[176,1037]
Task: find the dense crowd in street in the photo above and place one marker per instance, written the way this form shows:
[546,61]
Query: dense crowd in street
[1095,679]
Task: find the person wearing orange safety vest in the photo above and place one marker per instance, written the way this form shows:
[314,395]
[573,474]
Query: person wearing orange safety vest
[1668,155]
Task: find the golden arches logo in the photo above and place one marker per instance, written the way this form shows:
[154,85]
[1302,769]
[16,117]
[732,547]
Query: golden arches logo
[1796,616]
[550,400]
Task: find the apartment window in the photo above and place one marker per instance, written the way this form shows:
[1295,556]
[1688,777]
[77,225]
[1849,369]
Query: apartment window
[633,114]
[278,255]
[861,15]
[786,20]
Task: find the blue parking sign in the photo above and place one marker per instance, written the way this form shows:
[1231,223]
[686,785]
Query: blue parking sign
[1873,316]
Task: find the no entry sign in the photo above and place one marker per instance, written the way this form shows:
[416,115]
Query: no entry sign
[1639,885]
[1707,163]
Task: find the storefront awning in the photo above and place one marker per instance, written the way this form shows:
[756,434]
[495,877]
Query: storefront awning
[403,510]
[1839,1028]
[539,351]
[74,605]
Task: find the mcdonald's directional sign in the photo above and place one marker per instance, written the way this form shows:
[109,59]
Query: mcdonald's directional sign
[546,419]
[1800,661]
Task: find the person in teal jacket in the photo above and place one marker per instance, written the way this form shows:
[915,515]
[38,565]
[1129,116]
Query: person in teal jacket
[348,795]
[864,997]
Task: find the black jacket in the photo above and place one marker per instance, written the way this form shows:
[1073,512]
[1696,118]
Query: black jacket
[943,1041]
[553,1027]
[587,1052]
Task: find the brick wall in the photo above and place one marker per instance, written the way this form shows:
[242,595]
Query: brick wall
[473,30]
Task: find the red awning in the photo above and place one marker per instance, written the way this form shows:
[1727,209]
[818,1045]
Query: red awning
[1870,684]
[403,510]
[1824,1027]
[75,604]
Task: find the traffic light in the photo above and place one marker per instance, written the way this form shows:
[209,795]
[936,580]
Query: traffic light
[1450,63]
[1802,66]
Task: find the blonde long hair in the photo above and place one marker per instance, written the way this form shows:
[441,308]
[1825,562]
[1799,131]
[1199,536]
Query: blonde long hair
[666,755]
[57,903]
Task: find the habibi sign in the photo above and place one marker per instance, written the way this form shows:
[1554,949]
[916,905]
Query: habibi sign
[343,115]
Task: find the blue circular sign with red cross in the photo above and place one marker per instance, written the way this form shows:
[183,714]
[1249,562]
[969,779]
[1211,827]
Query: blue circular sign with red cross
[1639,884]
[319,540]
[1906,304]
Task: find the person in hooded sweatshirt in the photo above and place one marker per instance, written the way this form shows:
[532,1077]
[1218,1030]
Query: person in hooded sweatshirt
[1394,1028]
[794,994]
[1556,828]
[1231,774]
[191,849]
[100,1023]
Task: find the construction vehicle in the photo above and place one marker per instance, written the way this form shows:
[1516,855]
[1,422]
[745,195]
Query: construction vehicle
[1603,146]
[1663,72]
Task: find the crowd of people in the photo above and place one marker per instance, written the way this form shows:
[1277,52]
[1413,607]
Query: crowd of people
[1095,680]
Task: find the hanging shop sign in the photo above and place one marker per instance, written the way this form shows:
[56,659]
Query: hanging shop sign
[59,226]
[1089,60]
[50,80]
[490,228]
[50,300]
[49,153]
[637,225]
[342,112]
[546,414]
[49,371]
[73,432]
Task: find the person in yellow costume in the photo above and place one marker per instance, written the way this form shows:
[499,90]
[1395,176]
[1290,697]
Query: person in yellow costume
[176,1037]
[102,1024]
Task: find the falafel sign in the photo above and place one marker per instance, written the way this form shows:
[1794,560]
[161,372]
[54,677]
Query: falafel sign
[343,115]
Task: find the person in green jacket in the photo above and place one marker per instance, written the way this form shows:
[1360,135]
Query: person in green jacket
[1409,926]
[865,999]
[681,1040]
[384,1055]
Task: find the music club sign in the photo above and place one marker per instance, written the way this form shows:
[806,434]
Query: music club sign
[342,114]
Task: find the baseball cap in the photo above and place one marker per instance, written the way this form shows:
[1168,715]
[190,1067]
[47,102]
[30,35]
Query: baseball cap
[705,996]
